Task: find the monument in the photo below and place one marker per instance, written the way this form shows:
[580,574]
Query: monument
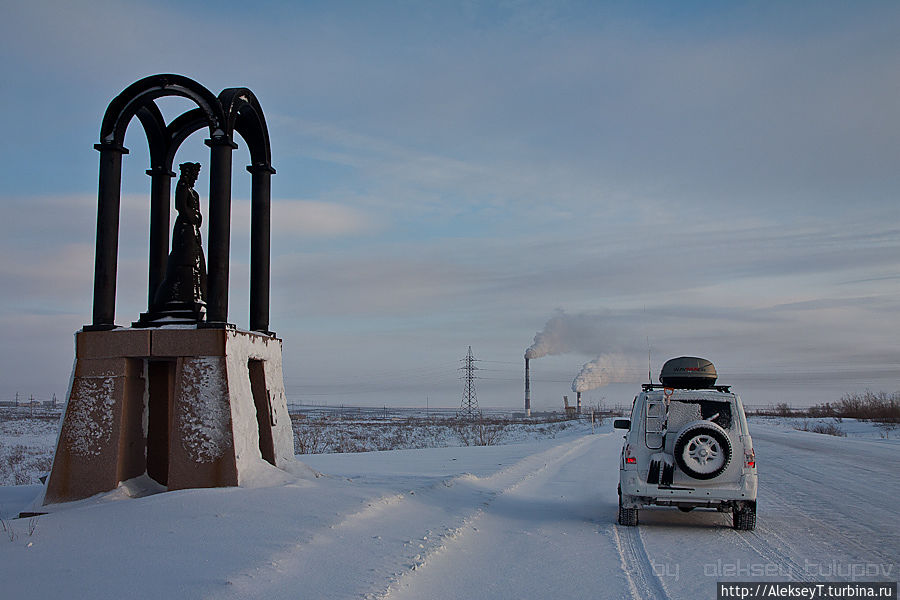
[182,395]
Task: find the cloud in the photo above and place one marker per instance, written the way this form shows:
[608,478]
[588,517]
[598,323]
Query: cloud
[576,115]
[292,219]
[464,170]
[310,217]
[375,286]
[49,279]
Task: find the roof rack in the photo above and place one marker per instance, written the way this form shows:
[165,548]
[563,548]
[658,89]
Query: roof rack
[646,387]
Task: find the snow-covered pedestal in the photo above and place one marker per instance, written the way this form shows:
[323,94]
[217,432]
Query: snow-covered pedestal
[190,407]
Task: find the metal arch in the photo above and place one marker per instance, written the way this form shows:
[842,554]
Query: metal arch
[138,99]
[155,129]
[124,106]
[180,129]
[244,115]
[235,109]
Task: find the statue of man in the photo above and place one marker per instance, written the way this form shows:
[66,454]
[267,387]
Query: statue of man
[184,286]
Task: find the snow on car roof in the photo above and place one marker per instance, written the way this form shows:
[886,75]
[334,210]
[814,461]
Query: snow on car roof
[683,395]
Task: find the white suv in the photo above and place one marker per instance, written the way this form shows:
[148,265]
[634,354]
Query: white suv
[688,446]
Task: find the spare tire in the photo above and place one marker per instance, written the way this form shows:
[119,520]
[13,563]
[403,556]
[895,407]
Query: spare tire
[702,450]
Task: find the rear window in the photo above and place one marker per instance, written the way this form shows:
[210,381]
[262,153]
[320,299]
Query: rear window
[687,410]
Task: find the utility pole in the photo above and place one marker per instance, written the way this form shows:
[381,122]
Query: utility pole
[469,407]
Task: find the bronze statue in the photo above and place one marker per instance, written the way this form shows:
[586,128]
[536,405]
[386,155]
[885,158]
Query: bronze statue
[183,290]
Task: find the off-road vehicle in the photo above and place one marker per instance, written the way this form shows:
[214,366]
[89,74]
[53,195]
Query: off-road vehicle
[687,446]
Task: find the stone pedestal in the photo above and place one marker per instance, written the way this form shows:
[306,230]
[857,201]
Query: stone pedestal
[190,407]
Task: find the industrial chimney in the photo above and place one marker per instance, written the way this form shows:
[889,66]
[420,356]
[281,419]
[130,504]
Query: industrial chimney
[527,390]
[578,402]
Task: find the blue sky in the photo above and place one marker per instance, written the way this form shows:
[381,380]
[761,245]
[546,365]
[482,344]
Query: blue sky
[718,178]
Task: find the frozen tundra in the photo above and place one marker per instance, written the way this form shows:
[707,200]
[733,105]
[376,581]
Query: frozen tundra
[687,445]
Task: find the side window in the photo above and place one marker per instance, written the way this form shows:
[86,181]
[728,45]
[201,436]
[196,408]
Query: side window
[742,418]
[656,409]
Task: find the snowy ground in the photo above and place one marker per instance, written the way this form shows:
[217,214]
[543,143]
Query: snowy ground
[852,428]
[526,520]
[27,441]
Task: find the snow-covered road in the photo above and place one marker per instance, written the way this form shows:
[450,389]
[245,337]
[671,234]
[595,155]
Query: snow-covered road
[528,530]
[828,510]
[533,520]
[546,535]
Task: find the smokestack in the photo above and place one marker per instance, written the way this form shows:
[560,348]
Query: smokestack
[578,402]
[527,390]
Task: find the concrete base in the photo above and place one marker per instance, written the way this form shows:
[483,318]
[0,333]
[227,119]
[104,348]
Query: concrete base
[190,407]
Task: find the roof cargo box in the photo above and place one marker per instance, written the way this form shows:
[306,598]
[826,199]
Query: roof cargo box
[688,373]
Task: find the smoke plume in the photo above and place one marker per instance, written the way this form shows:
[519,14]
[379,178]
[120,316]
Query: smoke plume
[606,368]
[568,333]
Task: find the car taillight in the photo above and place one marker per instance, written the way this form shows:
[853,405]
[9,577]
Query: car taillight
[629,459]
[749,458]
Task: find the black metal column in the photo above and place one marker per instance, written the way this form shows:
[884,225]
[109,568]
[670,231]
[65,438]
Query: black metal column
[260,243]
[106,254]
[160,208]
[219,230]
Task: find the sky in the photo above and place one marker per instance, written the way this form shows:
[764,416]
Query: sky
[640,180]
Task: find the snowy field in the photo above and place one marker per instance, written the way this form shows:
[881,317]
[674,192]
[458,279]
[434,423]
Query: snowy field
[532,519]
[852,428]
[28,437]
[27,441]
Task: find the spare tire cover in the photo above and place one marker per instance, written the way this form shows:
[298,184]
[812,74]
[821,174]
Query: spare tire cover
[702,450]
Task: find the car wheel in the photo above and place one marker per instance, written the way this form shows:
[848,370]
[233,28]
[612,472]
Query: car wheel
[703,450]
[744,518]
[627,516]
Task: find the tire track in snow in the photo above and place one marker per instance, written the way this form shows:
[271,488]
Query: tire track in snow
[828,532]
[808,526]
[819,499]
[642,581]
[551,537]
[391,537]
[470,525]
[757,541]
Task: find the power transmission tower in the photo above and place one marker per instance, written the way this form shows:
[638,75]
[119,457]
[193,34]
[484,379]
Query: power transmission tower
[469,407]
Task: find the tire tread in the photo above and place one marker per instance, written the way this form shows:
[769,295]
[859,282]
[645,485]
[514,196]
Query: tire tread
[744,519]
